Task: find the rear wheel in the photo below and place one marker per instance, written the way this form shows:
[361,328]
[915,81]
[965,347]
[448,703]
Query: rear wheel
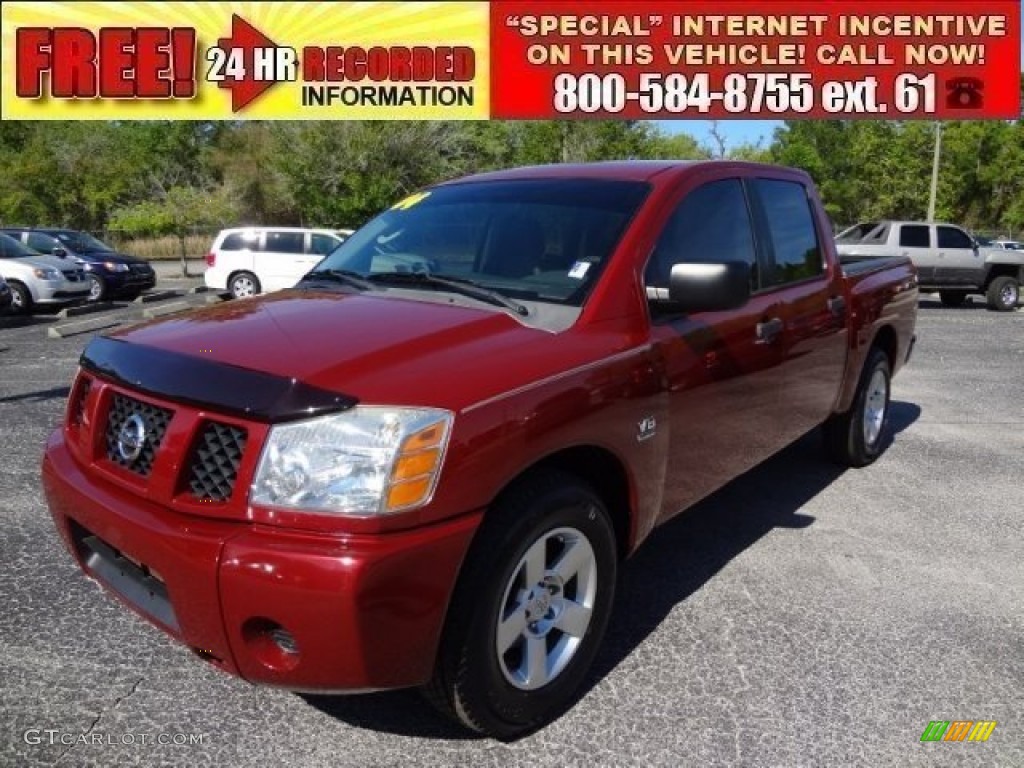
[244,284]
[1003,294]
[856,437]
[530,608]
[952,298]
[21,299]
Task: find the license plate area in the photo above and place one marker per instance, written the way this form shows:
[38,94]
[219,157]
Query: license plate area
[136,583]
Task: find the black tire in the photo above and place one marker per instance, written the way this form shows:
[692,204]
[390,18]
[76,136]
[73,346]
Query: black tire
[1003,294]
[485,689]
[97,288]
[244,284]
[851,439]
[21,299]
[952,298]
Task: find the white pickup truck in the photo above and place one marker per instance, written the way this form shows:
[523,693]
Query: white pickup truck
[947,258]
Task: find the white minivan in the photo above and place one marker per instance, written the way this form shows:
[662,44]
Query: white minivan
[251,260]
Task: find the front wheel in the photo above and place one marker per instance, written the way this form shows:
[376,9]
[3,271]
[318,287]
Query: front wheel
[530,608]
[21,299]
[856,437]
[97,289]
[1003,294]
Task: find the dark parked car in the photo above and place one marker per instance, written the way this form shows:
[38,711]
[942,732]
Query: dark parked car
[111,274]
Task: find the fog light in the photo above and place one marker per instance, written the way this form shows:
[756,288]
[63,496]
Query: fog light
[284,640]
[271,644]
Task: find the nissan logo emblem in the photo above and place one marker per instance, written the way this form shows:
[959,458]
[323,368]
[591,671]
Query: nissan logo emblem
[131,438]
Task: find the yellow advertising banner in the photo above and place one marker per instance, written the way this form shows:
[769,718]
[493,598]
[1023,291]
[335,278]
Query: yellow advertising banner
[221,60]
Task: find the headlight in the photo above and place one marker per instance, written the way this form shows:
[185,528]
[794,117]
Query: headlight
[116,266]
[45,273]
[369,460]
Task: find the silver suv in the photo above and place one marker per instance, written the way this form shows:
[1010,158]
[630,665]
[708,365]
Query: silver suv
[39,280]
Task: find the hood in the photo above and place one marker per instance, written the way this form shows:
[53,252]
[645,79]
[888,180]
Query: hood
[376,348]
[101,256]
[26,263]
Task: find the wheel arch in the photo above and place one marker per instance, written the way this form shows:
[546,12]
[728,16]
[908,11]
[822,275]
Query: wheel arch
[1015,271]
[886,340]
[603,471]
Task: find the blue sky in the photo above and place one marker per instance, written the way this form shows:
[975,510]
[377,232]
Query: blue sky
[737,132]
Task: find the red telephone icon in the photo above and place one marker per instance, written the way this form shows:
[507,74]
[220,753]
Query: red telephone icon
[964,93]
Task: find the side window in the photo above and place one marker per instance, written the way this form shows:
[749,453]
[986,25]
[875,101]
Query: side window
[791,227]
[322,244]
[241,241]
[914,236]
[40,242]
[285,242]
[951,237]
[711,224]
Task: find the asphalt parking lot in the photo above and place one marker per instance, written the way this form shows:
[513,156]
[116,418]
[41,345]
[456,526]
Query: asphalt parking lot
[802,616]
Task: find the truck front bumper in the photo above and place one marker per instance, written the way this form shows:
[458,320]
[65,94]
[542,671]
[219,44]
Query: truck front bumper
[278,607]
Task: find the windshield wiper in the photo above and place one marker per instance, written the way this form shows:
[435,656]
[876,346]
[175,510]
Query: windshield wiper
[455,284]
[339,276]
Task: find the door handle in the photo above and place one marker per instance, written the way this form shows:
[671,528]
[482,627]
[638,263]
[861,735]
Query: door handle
[836,305]
[768,330]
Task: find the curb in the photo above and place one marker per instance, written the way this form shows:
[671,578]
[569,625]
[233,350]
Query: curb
[166,309]
[84,309]
[148,298]
[82,326]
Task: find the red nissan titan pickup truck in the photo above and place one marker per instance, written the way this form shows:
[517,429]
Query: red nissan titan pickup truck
[423,464]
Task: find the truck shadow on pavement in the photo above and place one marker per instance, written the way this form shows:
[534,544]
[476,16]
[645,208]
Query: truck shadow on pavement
[676,561]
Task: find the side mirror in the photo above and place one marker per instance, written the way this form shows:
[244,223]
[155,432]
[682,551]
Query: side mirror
[710,287]
[59,252]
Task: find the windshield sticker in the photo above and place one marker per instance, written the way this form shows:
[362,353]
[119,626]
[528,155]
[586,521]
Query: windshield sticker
[579,270]
[410,201]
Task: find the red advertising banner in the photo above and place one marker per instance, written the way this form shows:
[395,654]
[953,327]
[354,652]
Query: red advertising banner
[942,59]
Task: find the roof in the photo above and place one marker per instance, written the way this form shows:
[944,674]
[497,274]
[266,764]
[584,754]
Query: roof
[619,170]
[613,170]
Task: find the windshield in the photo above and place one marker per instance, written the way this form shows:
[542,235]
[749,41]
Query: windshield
[13,249]
[82,242]
[540,239]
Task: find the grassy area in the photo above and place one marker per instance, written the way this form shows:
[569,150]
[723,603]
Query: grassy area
[161,248]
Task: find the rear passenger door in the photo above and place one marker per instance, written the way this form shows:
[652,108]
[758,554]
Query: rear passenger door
[812,339]
[282,260]
[916,242]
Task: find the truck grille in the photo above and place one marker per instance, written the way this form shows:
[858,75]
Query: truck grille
[215,461]
[121,438]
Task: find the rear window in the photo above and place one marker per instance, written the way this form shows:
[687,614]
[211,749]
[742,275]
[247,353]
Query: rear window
[867,232]
[240,241]
[794,238]
[914,236]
